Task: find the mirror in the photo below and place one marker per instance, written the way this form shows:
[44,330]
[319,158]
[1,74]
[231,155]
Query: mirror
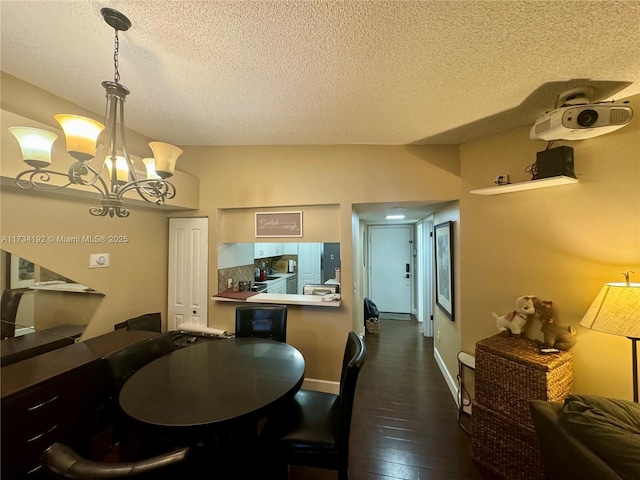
[41,309]
[242,266]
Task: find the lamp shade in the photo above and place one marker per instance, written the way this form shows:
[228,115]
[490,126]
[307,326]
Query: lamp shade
[122,169]
[616,310]
[150,164]
[166,156]
[81,134]
[35,145]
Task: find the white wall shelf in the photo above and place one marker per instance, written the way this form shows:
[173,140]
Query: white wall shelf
[533,184]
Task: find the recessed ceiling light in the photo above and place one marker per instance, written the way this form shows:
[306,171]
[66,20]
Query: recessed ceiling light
[394,217]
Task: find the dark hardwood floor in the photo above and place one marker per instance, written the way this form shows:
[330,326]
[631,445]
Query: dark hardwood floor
[404,422]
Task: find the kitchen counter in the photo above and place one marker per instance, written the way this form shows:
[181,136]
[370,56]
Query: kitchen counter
[283,299]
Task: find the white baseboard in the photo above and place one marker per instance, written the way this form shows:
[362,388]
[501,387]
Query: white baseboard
[452,383]
[321,386]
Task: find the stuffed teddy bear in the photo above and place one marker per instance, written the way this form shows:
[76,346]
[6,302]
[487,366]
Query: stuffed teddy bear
[512,323]
[555,336]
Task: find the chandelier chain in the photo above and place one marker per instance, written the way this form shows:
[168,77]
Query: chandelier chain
[116,48]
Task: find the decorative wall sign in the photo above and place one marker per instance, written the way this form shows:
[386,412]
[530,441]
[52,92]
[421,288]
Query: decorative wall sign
[279,224]
[445,298]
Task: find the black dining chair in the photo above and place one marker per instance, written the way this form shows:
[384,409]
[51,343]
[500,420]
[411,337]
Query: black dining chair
[263,321]
[150,322]
[8,310]
[61,462]
[123,363]
[313,428]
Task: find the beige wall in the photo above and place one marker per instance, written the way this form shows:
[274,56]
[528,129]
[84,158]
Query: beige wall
[134,284]
[561,243]
[325,182]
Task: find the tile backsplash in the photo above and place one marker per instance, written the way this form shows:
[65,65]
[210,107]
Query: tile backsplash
[237,274]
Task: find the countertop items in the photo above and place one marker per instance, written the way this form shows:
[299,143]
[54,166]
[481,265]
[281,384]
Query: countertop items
[232,294]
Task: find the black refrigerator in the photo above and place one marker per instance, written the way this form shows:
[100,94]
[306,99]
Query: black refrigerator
[329,260]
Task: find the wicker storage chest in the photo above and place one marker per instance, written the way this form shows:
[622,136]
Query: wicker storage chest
[509,373]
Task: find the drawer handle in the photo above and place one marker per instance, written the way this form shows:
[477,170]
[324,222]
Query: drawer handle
[40,405]
[37,437]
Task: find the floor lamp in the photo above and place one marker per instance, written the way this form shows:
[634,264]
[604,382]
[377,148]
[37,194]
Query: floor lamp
[616,310]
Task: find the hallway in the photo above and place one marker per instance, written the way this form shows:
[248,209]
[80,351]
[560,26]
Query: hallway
[404,422]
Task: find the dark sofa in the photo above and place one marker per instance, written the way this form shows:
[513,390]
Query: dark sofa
[588,437]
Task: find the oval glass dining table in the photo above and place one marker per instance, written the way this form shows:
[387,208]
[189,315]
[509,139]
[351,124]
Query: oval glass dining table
[213,385]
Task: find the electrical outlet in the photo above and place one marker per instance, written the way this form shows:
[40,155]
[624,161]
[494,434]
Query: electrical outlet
[438,335]
[230,283]
[502,179]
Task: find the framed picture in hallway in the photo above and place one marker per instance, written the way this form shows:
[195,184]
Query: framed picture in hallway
[443,238]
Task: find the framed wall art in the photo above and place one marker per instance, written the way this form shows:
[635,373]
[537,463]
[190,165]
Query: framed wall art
[443,238]
[279,224]
[22,272]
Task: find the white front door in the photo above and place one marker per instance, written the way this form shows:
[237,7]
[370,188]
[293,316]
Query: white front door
[188,271]
[391,269]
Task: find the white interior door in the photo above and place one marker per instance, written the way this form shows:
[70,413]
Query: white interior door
[391,268]
[188,264]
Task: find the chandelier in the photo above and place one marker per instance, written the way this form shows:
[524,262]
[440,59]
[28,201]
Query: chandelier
[87,140]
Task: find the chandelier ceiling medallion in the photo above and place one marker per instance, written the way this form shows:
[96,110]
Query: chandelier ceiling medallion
[87,139]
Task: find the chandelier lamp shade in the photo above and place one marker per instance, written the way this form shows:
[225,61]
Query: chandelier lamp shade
[94,145]
[616,311]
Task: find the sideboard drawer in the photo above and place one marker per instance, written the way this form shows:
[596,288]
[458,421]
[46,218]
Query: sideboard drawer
[58,410]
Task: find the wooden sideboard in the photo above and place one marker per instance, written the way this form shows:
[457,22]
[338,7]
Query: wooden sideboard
[57,396]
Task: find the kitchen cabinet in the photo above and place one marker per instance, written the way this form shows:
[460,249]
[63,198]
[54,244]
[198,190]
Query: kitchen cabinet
[277,286]
[290,248]
[235,255]
[260,250]
[268,249]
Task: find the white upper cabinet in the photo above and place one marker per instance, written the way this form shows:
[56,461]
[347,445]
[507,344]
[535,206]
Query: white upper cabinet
[276,249]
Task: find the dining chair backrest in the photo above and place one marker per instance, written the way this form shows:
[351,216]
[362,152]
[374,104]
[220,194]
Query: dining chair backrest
[264,321]
[125,362]
[8,310]
[352,362]
[61,462]
[149,322]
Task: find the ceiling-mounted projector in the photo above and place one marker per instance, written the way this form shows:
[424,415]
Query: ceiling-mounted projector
[578,119]
[580,122]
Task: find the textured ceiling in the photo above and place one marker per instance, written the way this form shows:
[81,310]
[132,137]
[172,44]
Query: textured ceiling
[325,72]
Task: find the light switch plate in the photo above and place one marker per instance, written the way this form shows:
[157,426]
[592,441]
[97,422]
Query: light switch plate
[98,260]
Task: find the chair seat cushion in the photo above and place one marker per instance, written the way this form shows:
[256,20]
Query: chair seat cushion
[307,424]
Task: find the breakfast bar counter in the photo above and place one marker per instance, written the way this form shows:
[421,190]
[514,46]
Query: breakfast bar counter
[281,299]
